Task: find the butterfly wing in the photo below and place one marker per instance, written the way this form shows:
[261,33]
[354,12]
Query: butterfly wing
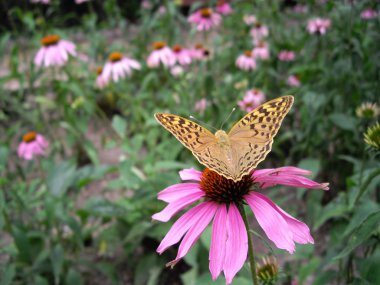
[252,137]
[202,143]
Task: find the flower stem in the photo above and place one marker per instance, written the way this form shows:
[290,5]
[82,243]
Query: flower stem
[250,246]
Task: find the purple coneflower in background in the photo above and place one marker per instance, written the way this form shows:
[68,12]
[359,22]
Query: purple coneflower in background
[246,61]
[200,106]
[199,52]
[318,26]
[101,82]
[258,32]
[287,55]
[182,55]
[252,99]
[54,51]
[205,19]
[40,1]
[261,50]
[32,145]
[118,67]
[369,14]
[223,7]
[221,199]
[161,54]
[293,81]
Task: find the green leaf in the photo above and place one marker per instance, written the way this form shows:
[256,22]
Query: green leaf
[73,277]
[119,125]
[60,178]
[22,244]
[344,122]
[8,274]
[311,164]
[368,268]
[361,234]
[57,258]
[308,269]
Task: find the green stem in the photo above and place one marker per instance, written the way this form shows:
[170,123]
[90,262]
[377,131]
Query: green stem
[250,246]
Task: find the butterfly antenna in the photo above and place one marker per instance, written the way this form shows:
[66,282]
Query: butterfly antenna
[233,110]
[203,123]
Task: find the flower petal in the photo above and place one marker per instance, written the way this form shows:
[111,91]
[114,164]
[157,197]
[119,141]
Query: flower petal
[190,174]
[176,206]
[236,245]
[271,221]
[181,226]
[218,242]
[177,191]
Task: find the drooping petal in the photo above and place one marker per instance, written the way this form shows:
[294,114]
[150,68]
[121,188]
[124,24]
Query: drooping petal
[196,230]
[182,225]
[171,209]
[218,242]
[177,191]
[236,245]
[271,221]
[190,174]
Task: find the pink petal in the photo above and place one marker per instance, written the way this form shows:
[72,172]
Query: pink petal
[182,225]
[271,221]
[237,244]
[218,242]
[177,191]
[196,230]
[176,206]
[190,174]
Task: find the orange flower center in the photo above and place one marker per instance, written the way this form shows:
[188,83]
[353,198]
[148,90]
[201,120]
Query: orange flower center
[223,190]
[261,44]
[159,45]
[29,137]
[50,40]
[206,12]
[258,24]
[248,53]
[198,46]
[99,70]
[255,92]
[115,56]
[177,48]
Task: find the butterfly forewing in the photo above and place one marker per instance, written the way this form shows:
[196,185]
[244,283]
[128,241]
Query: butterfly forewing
[252,136]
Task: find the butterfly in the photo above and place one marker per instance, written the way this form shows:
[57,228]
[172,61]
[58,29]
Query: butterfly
[237,153]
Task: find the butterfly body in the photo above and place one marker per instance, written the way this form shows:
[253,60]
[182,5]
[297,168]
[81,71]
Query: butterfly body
[238,152]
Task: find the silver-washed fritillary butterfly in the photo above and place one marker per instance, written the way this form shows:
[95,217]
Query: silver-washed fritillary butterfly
[237,153]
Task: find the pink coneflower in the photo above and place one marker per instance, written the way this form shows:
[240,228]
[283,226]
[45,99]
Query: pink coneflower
[318,26]
[261,51]
[40,1]
[369,14]
[176,70]
[252,99]
[249,19]
[119,67]
[293,81]
[205,19]
[259,31]
[200,106]
[54,51]
[80,1]
[221,200]
[161,54]
[287,55]
[101,82]
[181,55]
[198,52]
[223,7]
[33,144]
[246,61]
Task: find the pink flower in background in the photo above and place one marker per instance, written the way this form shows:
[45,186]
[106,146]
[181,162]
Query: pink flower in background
[101,82]
[199,52]
[118,67]
[287,55]
[223,7]
[162,10]
[261,51]
[200,106]
[146,4]
[293,81]
[80,1]
[252,99]
[249,19]
[318,26]
[176,70]
[259,31]
[246,61]
[32,145]
[40,1]
[301,9]
[161,54]
[181,55]
[369,14]
[54,51]
[220,199]
[205,19]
